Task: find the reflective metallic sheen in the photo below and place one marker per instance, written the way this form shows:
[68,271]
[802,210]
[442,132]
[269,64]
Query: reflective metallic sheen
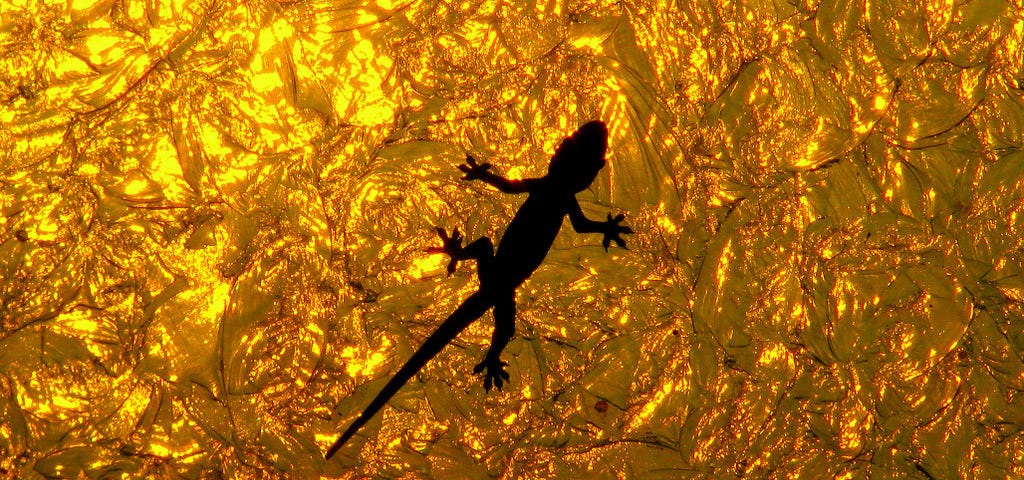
[213,217]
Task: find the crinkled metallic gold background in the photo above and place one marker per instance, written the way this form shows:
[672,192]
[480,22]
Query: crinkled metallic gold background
[214,215]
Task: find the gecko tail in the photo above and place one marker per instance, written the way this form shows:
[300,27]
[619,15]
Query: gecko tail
[471,309]
[340,442]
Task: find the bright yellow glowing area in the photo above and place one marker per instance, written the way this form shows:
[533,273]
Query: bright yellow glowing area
[88,169]
[592,43]
[774,354]
[103,48]
[723,266]
[136,186]
[427,265]
[81,5]
[160,450]
[367,365]
[80,321]
[880,102]
[527,392]
[376,113]
[217,300]
[647,411]
[516,173]
[266,82]
[65,402]
[213,218]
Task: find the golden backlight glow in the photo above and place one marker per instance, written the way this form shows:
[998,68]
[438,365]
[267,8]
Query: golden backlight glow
[214,217]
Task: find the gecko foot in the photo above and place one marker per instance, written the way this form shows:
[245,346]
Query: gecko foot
[612,229]
[473,170]
[452,247]
[494,373]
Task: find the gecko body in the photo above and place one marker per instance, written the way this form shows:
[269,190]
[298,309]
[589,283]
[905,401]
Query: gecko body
[522,249]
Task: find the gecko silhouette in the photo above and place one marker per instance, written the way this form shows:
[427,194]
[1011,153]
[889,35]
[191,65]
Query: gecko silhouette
[523,247]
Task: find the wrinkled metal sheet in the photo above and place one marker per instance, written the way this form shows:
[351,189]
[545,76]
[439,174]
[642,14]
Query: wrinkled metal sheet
[214,216]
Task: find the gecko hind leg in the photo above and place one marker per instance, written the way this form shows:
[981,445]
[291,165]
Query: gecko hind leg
[504,329]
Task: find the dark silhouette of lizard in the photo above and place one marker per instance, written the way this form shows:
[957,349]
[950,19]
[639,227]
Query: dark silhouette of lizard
[523,247]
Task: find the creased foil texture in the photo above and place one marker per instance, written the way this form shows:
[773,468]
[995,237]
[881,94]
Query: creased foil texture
[214,216]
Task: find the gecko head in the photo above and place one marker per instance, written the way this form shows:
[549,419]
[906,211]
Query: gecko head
[580,157]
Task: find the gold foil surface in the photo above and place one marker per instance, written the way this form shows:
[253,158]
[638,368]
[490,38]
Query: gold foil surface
[214,216]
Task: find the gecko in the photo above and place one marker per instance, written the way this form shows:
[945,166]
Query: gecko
[522,248]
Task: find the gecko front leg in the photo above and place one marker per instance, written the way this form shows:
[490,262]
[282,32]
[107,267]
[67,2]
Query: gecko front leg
[610,228]
[451,246]
[482,172]
[481,250]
